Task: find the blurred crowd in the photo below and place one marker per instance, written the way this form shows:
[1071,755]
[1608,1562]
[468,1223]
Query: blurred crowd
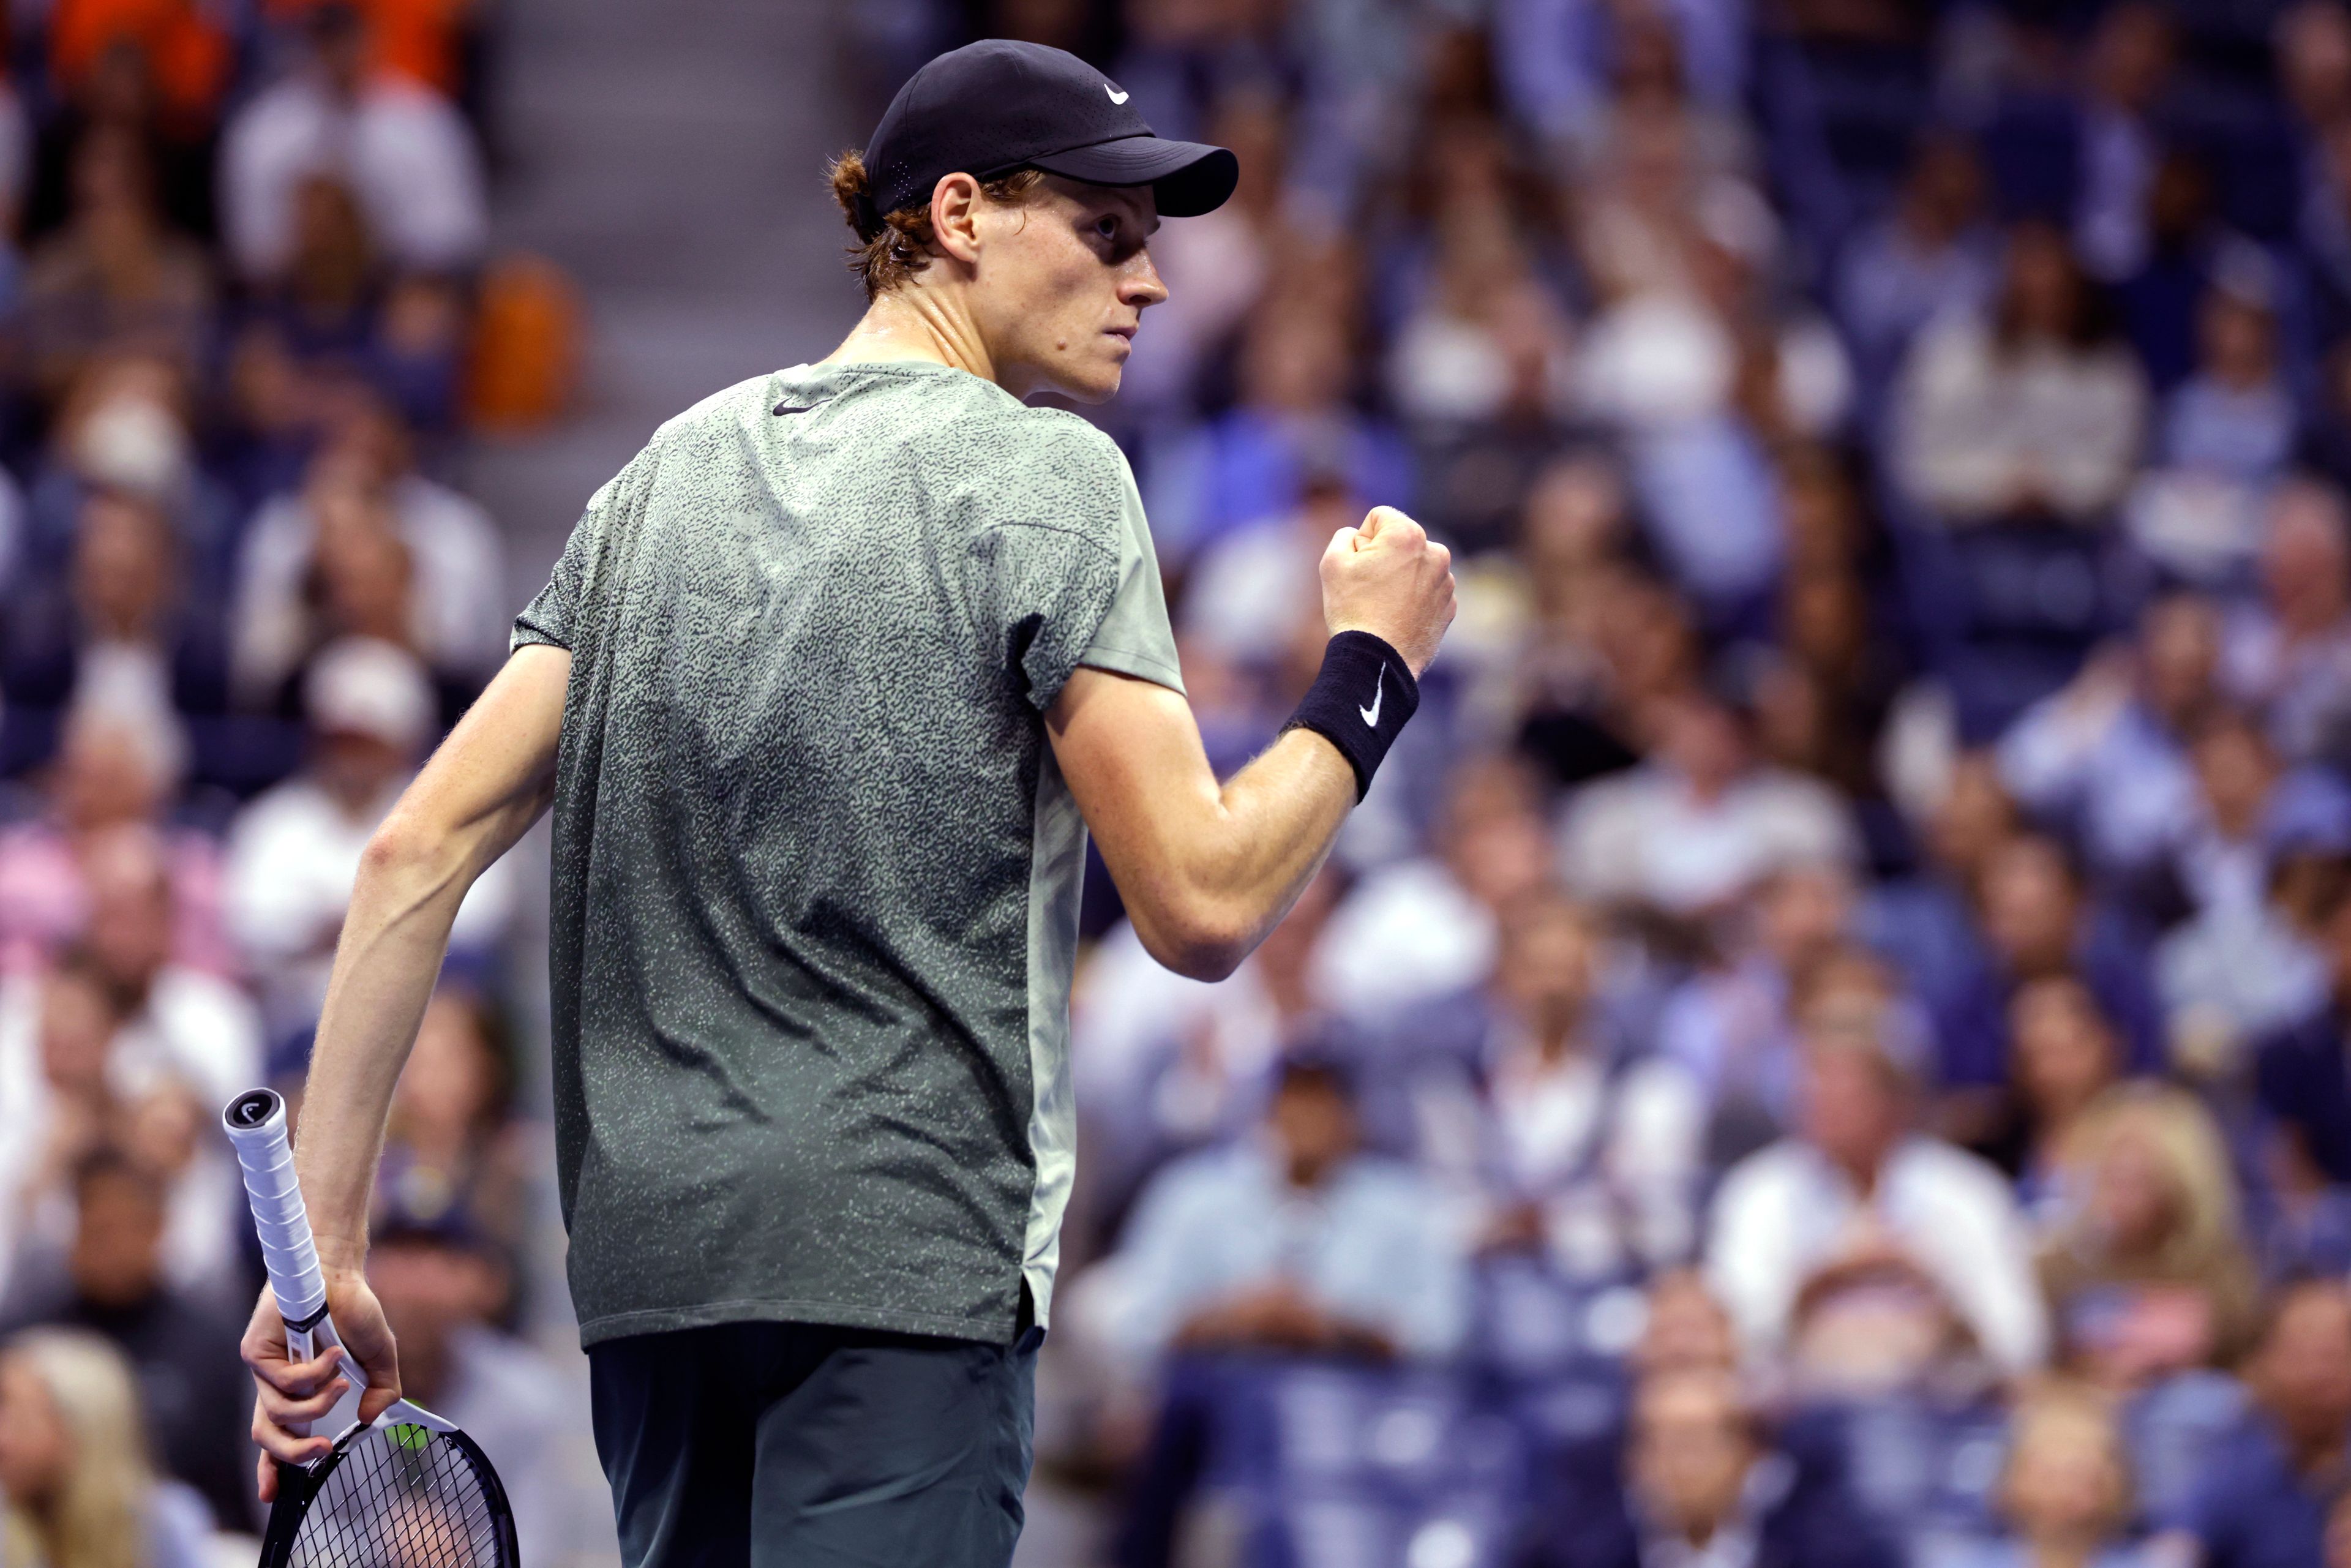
[244,283]
[1826,1043]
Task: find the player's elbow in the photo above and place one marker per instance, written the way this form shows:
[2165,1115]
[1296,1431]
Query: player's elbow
[1200,940]
[395,850]
[405,855]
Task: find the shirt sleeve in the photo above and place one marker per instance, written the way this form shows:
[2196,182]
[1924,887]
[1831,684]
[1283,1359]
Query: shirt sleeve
[1071,573]
[1135,637]
[552,616]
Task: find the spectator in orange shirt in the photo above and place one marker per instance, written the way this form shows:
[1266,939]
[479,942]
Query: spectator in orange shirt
[187,55]
[416,38]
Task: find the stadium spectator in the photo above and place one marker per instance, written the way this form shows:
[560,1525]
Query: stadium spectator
[1164,1065]
[2225,433]
[1701,1481]
[115,278]
[2036,917]
[80,1490]
[2265,1490]
[2065,1492]
[122,617]
[114,770]
[1857,1182]
[2062,1058]
[2030,411]
[178,1020]
[2145,1263]
[2107,757]
[1294,1241]
[56,1037]
[371,547]
[452,1143]
[441,1285]
[1733,1025]
[1932,256]
[1700,823]
[1424,926]
[294,852]
[405,150]
[2288,653]
[181,1348]
[1565,1140]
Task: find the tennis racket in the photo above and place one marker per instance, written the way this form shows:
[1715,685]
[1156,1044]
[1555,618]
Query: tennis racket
[407,1490]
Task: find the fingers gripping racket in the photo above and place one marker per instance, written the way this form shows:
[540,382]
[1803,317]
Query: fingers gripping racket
[407,1490]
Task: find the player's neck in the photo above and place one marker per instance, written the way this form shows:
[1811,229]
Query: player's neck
[918,324]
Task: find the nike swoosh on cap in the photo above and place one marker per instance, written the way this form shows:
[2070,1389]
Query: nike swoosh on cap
[1115,96]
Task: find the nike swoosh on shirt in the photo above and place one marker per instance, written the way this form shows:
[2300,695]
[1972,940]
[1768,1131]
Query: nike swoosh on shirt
[1115,96]
[1379,694]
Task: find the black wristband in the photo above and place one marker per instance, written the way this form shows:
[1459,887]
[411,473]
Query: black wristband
[1359,702]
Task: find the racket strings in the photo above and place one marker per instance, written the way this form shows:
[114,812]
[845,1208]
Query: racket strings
[402,1497]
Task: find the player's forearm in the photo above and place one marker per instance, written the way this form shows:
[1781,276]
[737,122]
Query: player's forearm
[1273,828]
[386,965]
[1205,869]
[481,792]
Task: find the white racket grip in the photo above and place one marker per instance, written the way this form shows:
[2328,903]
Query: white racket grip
[255,1121]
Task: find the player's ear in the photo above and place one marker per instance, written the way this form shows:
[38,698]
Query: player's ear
[955,216]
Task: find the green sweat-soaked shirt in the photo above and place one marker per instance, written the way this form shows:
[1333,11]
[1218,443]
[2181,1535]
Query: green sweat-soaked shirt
[815,872]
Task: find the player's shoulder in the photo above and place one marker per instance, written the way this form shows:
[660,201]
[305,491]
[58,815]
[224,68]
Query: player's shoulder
[1050,467]
[727,407]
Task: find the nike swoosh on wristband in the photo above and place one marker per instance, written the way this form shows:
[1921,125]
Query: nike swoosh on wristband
[1115,96]
[1379,694]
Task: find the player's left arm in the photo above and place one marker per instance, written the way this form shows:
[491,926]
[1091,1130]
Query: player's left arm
[482,791]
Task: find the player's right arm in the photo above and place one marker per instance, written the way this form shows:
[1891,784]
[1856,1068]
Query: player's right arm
[481,792]
[1207,869]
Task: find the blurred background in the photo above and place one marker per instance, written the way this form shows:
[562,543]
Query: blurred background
[1826,1046]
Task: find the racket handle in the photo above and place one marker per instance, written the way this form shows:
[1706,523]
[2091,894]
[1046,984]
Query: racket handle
[255,1121]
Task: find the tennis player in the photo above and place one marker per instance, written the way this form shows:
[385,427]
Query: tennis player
[826,690]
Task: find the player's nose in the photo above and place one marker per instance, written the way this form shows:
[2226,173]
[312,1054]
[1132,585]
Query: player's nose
[1142,284]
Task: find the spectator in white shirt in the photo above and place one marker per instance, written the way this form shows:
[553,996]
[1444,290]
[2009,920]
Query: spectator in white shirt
[294,853]
[1701,822]
[1857,1182]
[1565,1140]
[365,479]
[177,1020]
[2033,410]
[1425,927]
[403,148]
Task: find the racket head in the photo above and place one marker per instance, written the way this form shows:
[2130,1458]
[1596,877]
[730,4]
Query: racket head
[391,1496]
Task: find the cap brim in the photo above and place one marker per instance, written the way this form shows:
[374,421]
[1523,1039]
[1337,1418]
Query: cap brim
[1186,178]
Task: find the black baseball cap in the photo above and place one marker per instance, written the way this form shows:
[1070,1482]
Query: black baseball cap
[993,107]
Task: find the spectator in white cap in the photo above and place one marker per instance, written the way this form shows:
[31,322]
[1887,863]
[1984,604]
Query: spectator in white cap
[295,852]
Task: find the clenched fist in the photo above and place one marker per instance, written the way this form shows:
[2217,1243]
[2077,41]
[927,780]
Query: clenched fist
[1388,579]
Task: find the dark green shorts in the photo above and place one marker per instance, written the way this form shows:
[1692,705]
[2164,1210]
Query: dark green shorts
[797,1446]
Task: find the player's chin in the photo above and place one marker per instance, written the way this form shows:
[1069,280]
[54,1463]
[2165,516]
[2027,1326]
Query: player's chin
[1093,384]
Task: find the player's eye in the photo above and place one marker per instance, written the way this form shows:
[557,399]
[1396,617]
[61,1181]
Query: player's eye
[1107,226]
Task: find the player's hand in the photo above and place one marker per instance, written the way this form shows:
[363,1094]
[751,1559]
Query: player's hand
[1388,579]
[291,1393]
